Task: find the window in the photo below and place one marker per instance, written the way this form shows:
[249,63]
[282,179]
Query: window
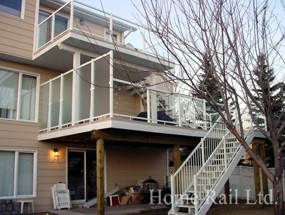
[14,7]
[17,95]
[17,178]
[114,36]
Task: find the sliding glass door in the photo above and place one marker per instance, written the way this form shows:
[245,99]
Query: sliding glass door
[82,175]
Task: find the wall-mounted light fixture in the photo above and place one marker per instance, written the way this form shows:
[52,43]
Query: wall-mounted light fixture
[55,152]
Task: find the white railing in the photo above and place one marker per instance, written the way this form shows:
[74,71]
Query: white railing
[183,179]
[88,93]
[206,169]
[214,168]
[78,96]
[88,21]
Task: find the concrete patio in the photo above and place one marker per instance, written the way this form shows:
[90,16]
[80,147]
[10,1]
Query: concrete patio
[151,209]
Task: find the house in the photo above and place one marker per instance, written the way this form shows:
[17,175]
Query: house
[81,104]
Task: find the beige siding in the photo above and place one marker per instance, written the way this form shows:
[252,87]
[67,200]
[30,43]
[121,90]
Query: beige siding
[93,30]
[89,28]
[23,136]
[126,165]
[45,74]
[16,35]
[126,103]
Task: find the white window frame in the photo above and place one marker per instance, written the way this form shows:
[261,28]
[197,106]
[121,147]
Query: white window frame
[17,152]
[115,36]
[22,15]
[21,73]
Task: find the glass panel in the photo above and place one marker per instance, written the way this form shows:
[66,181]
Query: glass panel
[67,98]
[84,77]
[55,102]
[7,166]
[60,25]
[44,33]
[28,98]
[76,175]
[8,94]
[91,174]
[44,106]
[13,7]
[25,174]
[102,87]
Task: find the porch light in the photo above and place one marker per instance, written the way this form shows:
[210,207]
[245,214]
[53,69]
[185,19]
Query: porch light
[55,152]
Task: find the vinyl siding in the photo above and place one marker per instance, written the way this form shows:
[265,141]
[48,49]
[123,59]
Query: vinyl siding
[126,165]
[16,35]
[23,136]
[125,103]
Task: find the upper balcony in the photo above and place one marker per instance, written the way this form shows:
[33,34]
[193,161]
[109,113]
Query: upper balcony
[94,97]
[95,33]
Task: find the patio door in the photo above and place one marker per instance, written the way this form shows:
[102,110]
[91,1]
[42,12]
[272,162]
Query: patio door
[81,175]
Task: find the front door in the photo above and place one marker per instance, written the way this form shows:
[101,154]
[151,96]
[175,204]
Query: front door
[81,175]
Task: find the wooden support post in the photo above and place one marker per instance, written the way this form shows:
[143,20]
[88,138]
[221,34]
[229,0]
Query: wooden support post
[227,190]
[176,156]
[264,177]
[256,173]
[100,176]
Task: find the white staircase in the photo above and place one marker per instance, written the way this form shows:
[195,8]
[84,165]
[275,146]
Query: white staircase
[199,180]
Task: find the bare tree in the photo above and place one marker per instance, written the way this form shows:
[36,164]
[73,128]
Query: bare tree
[233,33]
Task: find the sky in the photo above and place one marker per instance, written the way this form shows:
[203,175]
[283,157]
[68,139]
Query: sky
[122,8]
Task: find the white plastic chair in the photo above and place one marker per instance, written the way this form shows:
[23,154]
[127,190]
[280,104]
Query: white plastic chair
[61,196]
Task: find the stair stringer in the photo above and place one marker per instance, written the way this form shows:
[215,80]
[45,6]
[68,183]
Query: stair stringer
[222,180]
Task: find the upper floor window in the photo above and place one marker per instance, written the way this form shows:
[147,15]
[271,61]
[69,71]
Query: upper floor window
[12,7]
[18,174]
[114,36]
[17,95]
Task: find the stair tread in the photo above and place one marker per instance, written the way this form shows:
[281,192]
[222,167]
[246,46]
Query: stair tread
[190,205]
[182,213]
[210,173]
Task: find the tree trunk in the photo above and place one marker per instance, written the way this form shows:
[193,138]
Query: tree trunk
[278,194]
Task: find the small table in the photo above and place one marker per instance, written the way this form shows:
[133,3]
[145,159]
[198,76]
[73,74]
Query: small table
[30,204]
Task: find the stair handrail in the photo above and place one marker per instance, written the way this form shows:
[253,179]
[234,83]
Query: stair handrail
[221,144]
[199,144]
[193,171]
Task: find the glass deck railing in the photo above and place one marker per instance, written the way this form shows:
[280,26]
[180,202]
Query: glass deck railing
[95,24]
[90,93]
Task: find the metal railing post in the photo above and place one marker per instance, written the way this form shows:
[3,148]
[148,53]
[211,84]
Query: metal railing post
[179,111]
[52,27]
[196,198]
[71,14]
[204,114]
[148,104]
[225,152]
[111,85]
[92,88]
[111,28]
[60,102]
[49,107]
[203,151]
[172,188]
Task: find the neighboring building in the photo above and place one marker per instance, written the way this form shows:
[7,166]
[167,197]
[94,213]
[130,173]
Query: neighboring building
[68,78]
